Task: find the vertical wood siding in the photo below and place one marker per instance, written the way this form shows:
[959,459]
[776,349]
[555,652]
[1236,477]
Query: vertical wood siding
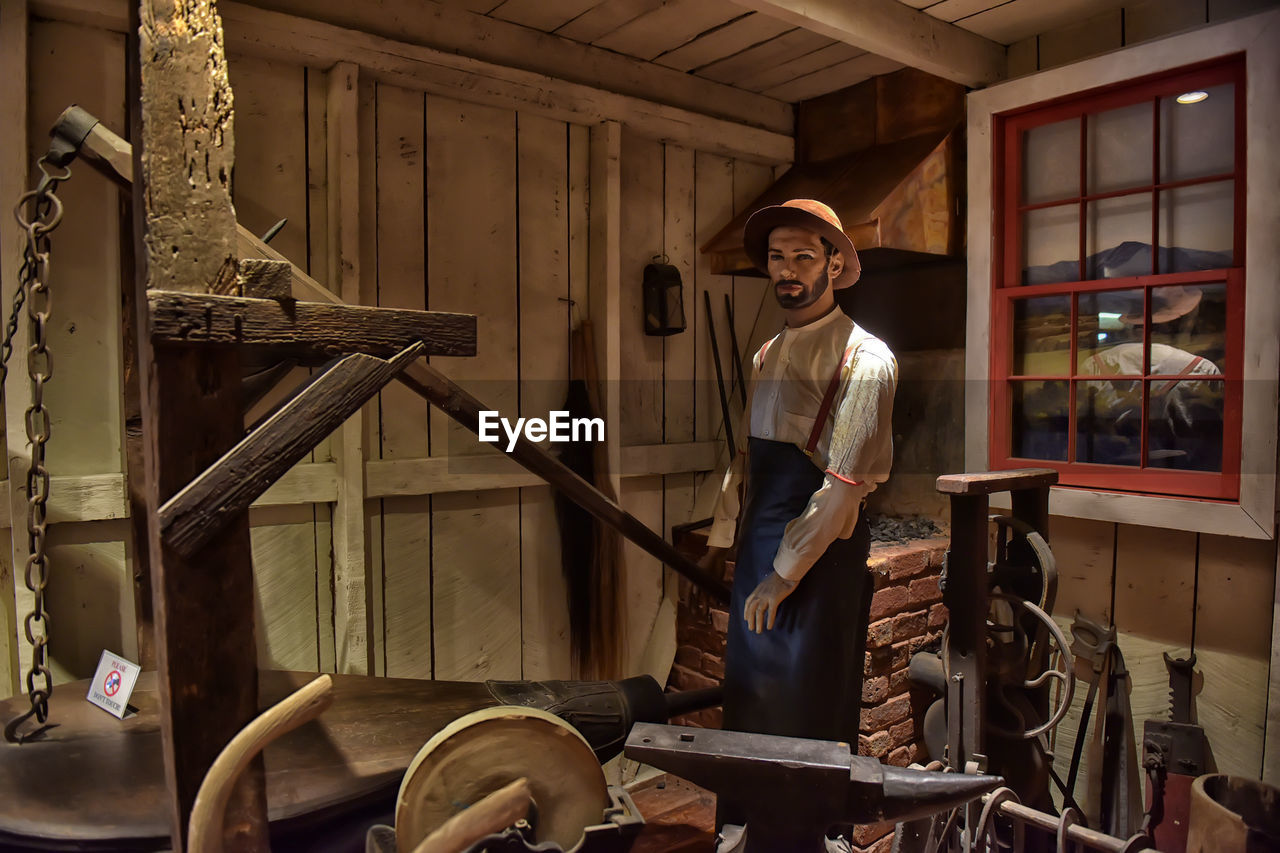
[462,208]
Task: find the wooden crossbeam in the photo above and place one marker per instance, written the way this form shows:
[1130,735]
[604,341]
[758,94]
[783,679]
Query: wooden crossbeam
[202,509]
[305,329]
[895,31]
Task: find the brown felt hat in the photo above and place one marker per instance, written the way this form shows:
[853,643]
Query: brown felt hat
[801,213]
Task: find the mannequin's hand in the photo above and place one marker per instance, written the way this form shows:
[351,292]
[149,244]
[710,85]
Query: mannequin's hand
[762,605]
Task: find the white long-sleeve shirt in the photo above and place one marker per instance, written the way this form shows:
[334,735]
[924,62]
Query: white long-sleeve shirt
[790,375]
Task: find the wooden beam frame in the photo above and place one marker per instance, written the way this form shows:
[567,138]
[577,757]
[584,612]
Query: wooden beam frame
[895,31]
[306,329]
[185,228]
[277,36]
[446,27]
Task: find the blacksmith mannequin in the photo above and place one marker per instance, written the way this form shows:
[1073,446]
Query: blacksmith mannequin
[818,413]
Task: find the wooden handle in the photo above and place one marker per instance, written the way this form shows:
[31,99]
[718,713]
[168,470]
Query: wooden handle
[493,814]
[301,706]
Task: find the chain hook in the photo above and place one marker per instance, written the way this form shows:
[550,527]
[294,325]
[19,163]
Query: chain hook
[33,290]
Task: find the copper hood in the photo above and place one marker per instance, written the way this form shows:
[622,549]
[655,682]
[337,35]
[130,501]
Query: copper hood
[897,202]
[887,155]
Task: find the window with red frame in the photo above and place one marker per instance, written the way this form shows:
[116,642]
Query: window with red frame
[1118,301]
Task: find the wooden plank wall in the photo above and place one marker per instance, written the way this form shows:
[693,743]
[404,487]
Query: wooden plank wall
[1127,24]
[1177,592]
[462,207]
[674,200]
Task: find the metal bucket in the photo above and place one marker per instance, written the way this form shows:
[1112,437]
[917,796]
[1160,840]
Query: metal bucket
[1232,814]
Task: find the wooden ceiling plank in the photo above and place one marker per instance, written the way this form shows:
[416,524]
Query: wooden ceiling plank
[543,15]
[481,7]
[1019,19]
[670,25]
[954,10]
[802,66]
[600,20]
[745,32]
[786,47]
[897,32]
[423,23]
[830,79]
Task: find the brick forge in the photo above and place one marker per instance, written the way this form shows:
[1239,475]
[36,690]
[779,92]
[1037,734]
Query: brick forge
[907,615]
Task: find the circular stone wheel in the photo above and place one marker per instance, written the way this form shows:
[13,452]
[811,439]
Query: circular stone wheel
[485,750]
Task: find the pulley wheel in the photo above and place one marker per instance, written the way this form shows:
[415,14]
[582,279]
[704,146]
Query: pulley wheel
[481,752]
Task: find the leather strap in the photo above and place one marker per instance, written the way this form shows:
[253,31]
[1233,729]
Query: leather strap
[824,410]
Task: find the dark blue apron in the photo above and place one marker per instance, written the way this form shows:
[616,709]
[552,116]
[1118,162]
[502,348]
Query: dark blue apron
[804,677]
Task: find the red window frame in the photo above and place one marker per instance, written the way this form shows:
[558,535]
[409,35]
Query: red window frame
[1007,288]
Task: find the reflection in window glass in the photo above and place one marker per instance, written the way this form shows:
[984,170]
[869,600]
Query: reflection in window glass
[1040,420]
[1196,227]
[1190,319]
[1198,139]
[1051,162]
[1119,148]
[1118,237]
[1041,336]
[1051,244]
[1109,325]
[1185,430]
[1109,421]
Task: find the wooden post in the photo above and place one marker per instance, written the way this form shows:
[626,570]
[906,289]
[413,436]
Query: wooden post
[137,548]
[15,652]
[191,410]
[350,613]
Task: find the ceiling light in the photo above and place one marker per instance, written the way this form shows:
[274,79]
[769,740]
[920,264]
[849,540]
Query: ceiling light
[1192,97]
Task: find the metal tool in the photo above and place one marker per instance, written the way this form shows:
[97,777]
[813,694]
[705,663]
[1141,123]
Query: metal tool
[793,788]
[724,398]
[737,353]
[1174,753]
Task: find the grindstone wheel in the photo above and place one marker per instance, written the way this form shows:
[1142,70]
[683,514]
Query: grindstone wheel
[483,751]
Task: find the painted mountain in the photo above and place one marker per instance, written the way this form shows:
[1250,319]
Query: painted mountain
[1128,259]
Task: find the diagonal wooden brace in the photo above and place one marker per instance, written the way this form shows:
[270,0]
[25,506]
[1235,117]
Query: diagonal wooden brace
[197,512]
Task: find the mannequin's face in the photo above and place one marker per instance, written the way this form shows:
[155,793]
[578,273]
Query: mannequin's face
[802,273]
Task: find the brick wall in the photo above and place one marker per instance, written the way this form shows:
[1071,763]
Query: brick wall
[906,615]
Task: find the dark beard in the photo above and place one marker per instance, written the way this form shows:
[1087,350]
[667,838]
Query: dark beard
[808,295]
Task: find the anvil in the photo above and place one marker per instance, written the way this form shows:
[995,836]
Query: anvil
[794,789]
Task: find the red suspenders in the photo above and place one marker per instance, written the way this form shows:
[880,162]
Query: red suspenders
[824,410]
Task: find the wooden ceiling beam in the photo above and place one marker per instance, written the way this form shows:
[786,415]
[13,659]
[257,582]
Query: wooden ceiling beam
[896,31]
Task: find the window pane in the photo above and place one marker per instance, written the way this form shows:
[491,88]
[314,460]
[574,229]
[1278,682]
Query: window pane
[1040,420]
[1196,227]
[1051,244]
[1186,424]
[1041,346]
[1198,139]
[1109,421]
[1191,320]
[1051,162]
[1109,333]
[1118,237]
[1120,149]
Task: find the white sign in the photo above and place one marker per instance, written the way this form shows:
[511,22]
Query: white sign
[113,683]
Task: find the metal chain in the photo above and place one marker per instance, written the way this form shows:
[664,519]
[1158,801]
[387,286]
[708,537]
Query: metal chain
[33,290]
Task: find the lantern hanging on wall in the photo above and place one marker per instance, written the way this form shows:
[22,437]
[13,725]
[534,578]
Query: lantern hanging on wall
[663,298]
